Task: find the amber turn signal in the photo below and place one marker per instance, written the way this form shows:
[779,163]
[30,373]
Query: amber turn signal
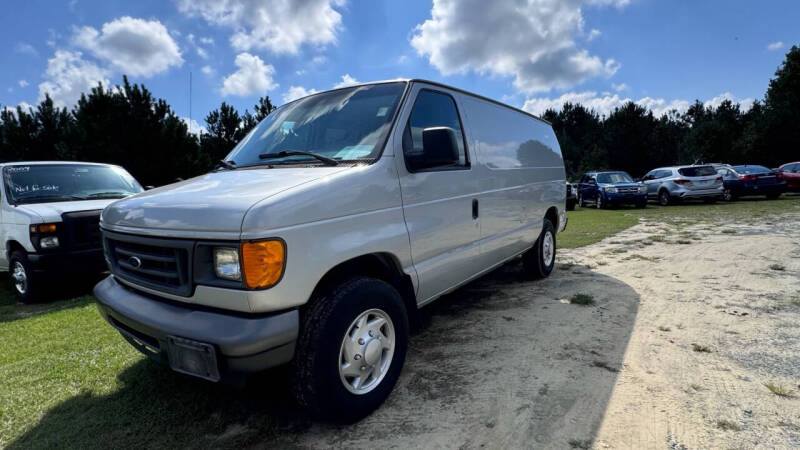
[43,228]
[262,263]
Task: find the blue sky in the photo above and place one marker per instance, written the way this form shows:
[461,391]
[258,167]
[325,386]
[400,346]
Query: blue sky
[532,54]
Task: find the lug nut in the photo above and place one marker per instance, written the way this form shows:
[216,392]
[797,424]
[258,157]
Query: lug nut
[357,357]
[361,342]
[371,334]
[363,367]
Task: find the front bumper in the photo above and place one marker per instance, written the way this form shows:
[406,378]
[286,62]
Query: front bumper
[68,261]
[619,199]
[244,343]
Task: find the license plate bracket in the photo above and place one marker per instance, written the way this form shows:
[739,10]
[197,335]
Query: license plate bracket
[194,358]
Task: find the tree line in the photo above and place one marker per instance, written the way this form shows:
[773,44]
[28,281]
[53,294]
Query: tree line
[127,125]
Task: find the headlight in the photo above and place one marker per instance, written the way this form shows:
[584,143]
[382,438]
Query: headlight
[642,189]
[263,263]
[610,189]
[48,242]
[226,263]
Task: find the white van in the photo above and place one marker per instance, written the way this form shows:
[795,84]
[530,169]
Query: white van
[49,215]
[324,229]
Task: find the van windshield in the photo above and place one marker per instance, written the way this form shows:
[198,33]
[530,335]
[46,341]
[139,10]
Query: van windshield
[348,124]
[41,183]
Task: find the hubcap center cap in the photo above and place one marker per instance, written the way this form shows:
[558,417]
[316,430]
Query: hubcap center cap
[372,352]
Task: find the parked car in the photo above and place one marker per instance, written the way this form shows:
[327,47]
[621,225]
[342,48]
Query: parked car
[49,219]
[671,184]
[335,218]
[740,181]
[610,188]
[791,173]
[572,198]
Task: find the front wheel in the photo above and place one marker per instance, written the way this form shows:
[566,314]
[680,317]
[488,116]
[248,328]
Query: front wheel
[350,350]
[664,199]
[538,262]
[26,283]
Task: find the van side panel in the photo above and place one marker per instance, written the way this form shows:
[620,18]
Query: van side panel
[521,172]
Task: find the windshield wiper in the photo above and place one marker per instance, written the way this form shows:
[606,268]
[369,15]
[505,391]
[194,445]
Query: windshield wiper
[108,194]
[230,165]
[285,153]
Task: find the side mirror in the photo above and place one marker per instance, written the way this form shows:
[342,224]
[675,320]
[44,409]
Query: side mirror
[439,148]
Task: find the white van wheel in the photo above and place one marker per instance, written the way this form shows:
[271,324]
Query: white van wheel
[350,350]
[26,283]
[538,262]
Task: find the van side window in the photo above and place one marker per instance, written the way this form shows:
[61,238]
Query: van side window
[434,113]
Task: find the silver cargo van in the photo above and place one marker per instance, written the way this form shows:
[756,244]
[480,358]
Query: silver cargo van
[324,229]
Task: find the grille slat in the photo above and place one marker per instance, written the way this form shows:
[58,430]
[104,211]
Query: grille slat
[162,264]
[628,190]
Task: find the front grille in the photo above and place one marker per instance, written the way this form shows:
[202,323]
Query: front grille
[628,190]
[161,264]
[80,230]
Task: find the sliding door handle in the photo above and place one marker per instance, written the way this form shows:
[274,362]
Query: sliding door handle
[474,208]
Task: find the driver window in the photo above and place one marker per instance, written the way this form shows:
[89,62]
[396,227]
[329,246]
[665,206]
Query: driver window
[433,109]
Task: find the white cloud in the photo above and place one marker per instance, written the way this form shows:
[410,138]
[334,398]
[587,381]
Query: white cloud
[531,41]
[252,77]
[619,87]
[68,75]
[13,110]
[775,46]
[744,103]
[137,47]
[194,126]
[296,92]
[605,103]
[207,40]
[26,49]
[280,26]
[22,83]
[594,34]
[207,70]
[347,80]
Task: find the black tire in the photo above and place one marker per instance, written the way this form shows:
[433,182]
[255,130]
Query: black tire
[533,261]
[29,289]
[316,381]
[598,202]
[570,204]
[773,196]
[728,195]
[664,199]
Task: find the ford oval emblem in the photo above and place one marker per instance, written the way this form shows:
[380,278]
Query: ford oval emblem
[135,262]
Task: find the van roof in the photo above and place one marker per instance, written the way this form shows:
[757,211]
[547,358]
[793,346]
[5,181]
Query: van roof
[435,83]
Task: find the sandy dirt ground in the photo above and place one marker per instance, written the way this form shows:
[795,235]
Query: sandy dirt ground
[690,324]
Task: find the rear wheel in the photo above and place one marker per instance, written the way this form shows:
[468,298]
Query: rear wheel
[351,349]
[664,199]
[538,262]
[727,195]
[26,282]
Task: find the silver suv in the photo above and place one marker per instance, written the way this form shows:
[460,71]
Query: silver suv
[671,184]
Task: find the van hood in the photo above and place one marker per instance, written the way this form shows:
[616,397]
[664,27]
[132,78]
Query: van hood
[214,203]
[51,212]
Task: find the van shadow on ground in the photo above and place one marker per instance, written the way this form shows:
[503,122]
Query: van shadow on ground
[499,363]
[62,293]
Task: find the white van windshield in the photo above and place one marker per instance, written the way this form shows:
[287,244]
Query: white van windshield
[41,183]
[344,125]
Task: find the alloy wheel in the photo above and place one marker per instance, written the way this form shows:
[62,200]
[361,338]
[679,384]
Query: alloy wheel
[20,278]
[366,351]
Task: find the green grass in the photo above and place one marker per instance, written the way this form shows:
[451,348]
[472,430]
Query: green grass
[582,299]
[587,226]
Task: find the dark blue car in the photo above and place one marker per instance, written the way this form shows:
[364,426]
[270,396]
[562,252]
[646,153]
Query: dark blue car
[610,188]
[740,181]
